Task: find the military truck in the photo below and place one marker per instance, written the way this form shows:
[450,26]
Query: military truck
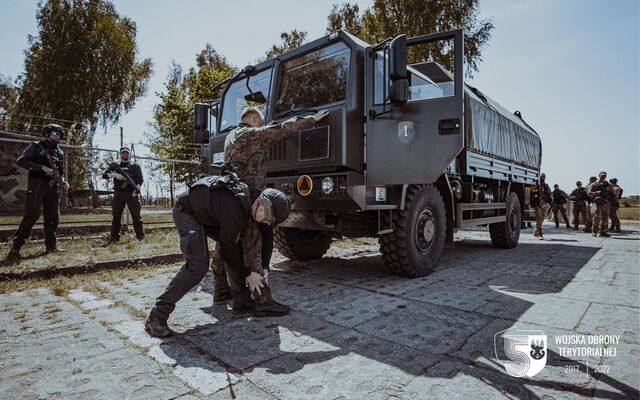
[409,153]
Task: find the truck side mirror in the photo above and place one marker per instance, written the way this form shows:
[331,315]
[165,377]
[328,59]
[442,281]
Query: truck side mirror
[398,58]
[399,92]
[201,131]
[399,89]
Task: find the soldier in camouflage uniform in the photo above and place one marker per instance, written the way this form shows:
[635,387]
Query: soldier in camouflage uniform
[245,150]
[579,205]
[559,199]
[615,205]
[589,221]
[540,199]
[602,194]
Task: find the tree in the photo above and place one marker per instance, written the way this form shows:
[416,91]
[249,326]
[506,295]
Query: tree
[290,41]
[8,97]
[82,66]
[171,133]
[389,18]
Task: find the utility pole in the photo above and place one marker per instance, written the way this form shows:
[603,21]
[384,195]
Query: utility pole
[121,138]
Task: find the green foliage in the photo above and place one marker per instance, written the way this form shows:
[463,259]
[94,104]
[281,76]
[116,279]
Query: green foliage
[81,66]
[290,41]
[389,18]
[8,97]
[171,133]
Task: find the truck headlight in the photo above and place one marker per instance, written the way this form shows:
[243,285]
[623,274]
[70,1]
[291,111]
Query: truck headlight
[327,185]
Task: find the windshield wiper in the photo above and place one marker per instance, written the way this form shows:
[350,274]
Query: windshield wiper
[228,128]
[295,111]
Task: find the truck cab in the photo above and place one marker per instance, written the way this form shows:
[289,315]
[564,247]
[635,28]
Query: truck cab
[408,152]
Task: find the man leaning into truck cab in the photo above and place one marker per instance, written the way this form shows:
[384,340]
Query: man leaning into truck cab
[245,150]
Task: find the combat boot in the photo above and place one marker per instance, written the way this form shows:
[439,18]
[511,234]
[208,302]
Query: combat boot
[265,306]
[54,249]
[604,234]
[617,230]
[221,295]
[156,325]
[14,254]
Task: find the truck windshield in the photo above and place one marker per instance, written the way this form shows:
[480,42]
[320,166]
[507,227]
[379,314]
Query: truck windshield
[315,79]
[234,102]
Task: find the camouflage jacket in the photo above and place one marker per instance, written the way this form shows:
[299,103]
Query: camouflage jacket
[246,148]
[578,196]
[558,197]
[601,192]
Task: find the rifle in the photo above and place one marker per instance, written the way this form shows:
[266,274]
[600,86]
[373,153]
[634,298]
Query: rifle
[56,178]
[127,179]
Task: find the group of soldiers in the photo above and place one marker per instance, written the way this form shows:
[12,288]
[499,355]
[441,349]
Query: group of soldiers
[45,162]
[596,203]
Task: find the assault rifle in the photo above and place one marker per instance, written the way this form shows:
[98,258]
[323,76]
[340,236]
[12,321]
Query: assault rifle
[127,178]
[56,178]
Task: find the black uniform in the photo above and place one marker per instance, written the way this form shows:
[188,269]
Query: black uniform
[124,196]
[208,209]
[41,192]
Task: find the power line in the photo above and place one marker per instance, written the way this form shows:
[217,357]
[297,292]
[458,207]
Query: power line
[46,118]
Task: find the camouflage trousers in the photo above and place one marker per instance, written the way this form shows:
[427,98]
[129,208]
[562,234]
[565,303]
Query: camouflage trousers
[251,250]
[600,217]
[588,222]
[579,209]
[559,207]
[615,221]
[541,212]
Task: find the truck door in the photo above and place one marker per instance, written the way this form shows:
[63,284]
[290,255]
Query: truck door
[414,142]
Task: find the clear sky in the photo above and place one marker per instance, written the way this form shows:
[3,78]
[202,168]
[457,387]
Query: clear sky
[570,66]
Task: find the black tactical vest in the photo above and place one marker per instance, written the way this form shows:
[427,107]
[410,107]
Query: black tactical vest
[229,181]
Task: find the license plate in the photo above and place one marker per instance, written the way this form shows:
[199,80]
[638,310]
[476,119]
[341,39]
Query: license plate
[218,157]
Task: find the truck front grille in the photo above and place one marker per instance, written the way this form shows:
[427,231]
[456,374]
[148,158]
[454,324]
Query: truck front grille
[278,151]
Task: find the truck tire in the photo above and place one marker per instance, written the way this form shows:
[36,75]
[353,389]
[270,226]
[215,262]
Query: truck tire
[414,247]
[301,245]
[505,235]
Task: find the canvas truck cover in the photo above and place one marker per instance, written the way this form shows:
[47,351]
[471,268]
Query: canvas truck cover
[490,129]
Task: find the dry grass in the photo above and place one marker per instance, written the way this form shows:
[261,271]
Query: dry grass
[629,213]
[102,216]
[87,251]
[62,285]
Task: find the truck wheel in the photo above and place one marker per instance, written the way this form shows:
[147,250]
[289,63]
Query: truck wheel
[414,247]
[301,245]
[505,235]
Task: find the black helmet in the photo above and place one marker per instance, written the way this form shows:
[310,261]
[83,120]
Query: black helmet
[613,180]
[579,183]
[52,128]
[280,204]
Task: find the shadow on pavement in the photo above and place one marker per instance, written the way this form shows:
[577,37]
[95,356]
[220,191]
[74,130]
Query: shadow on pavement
[355,325]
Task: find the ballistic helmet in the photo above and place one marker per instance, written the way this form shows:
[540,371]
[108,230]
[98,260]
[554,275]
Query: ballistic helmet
[52,128]
[276,205]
